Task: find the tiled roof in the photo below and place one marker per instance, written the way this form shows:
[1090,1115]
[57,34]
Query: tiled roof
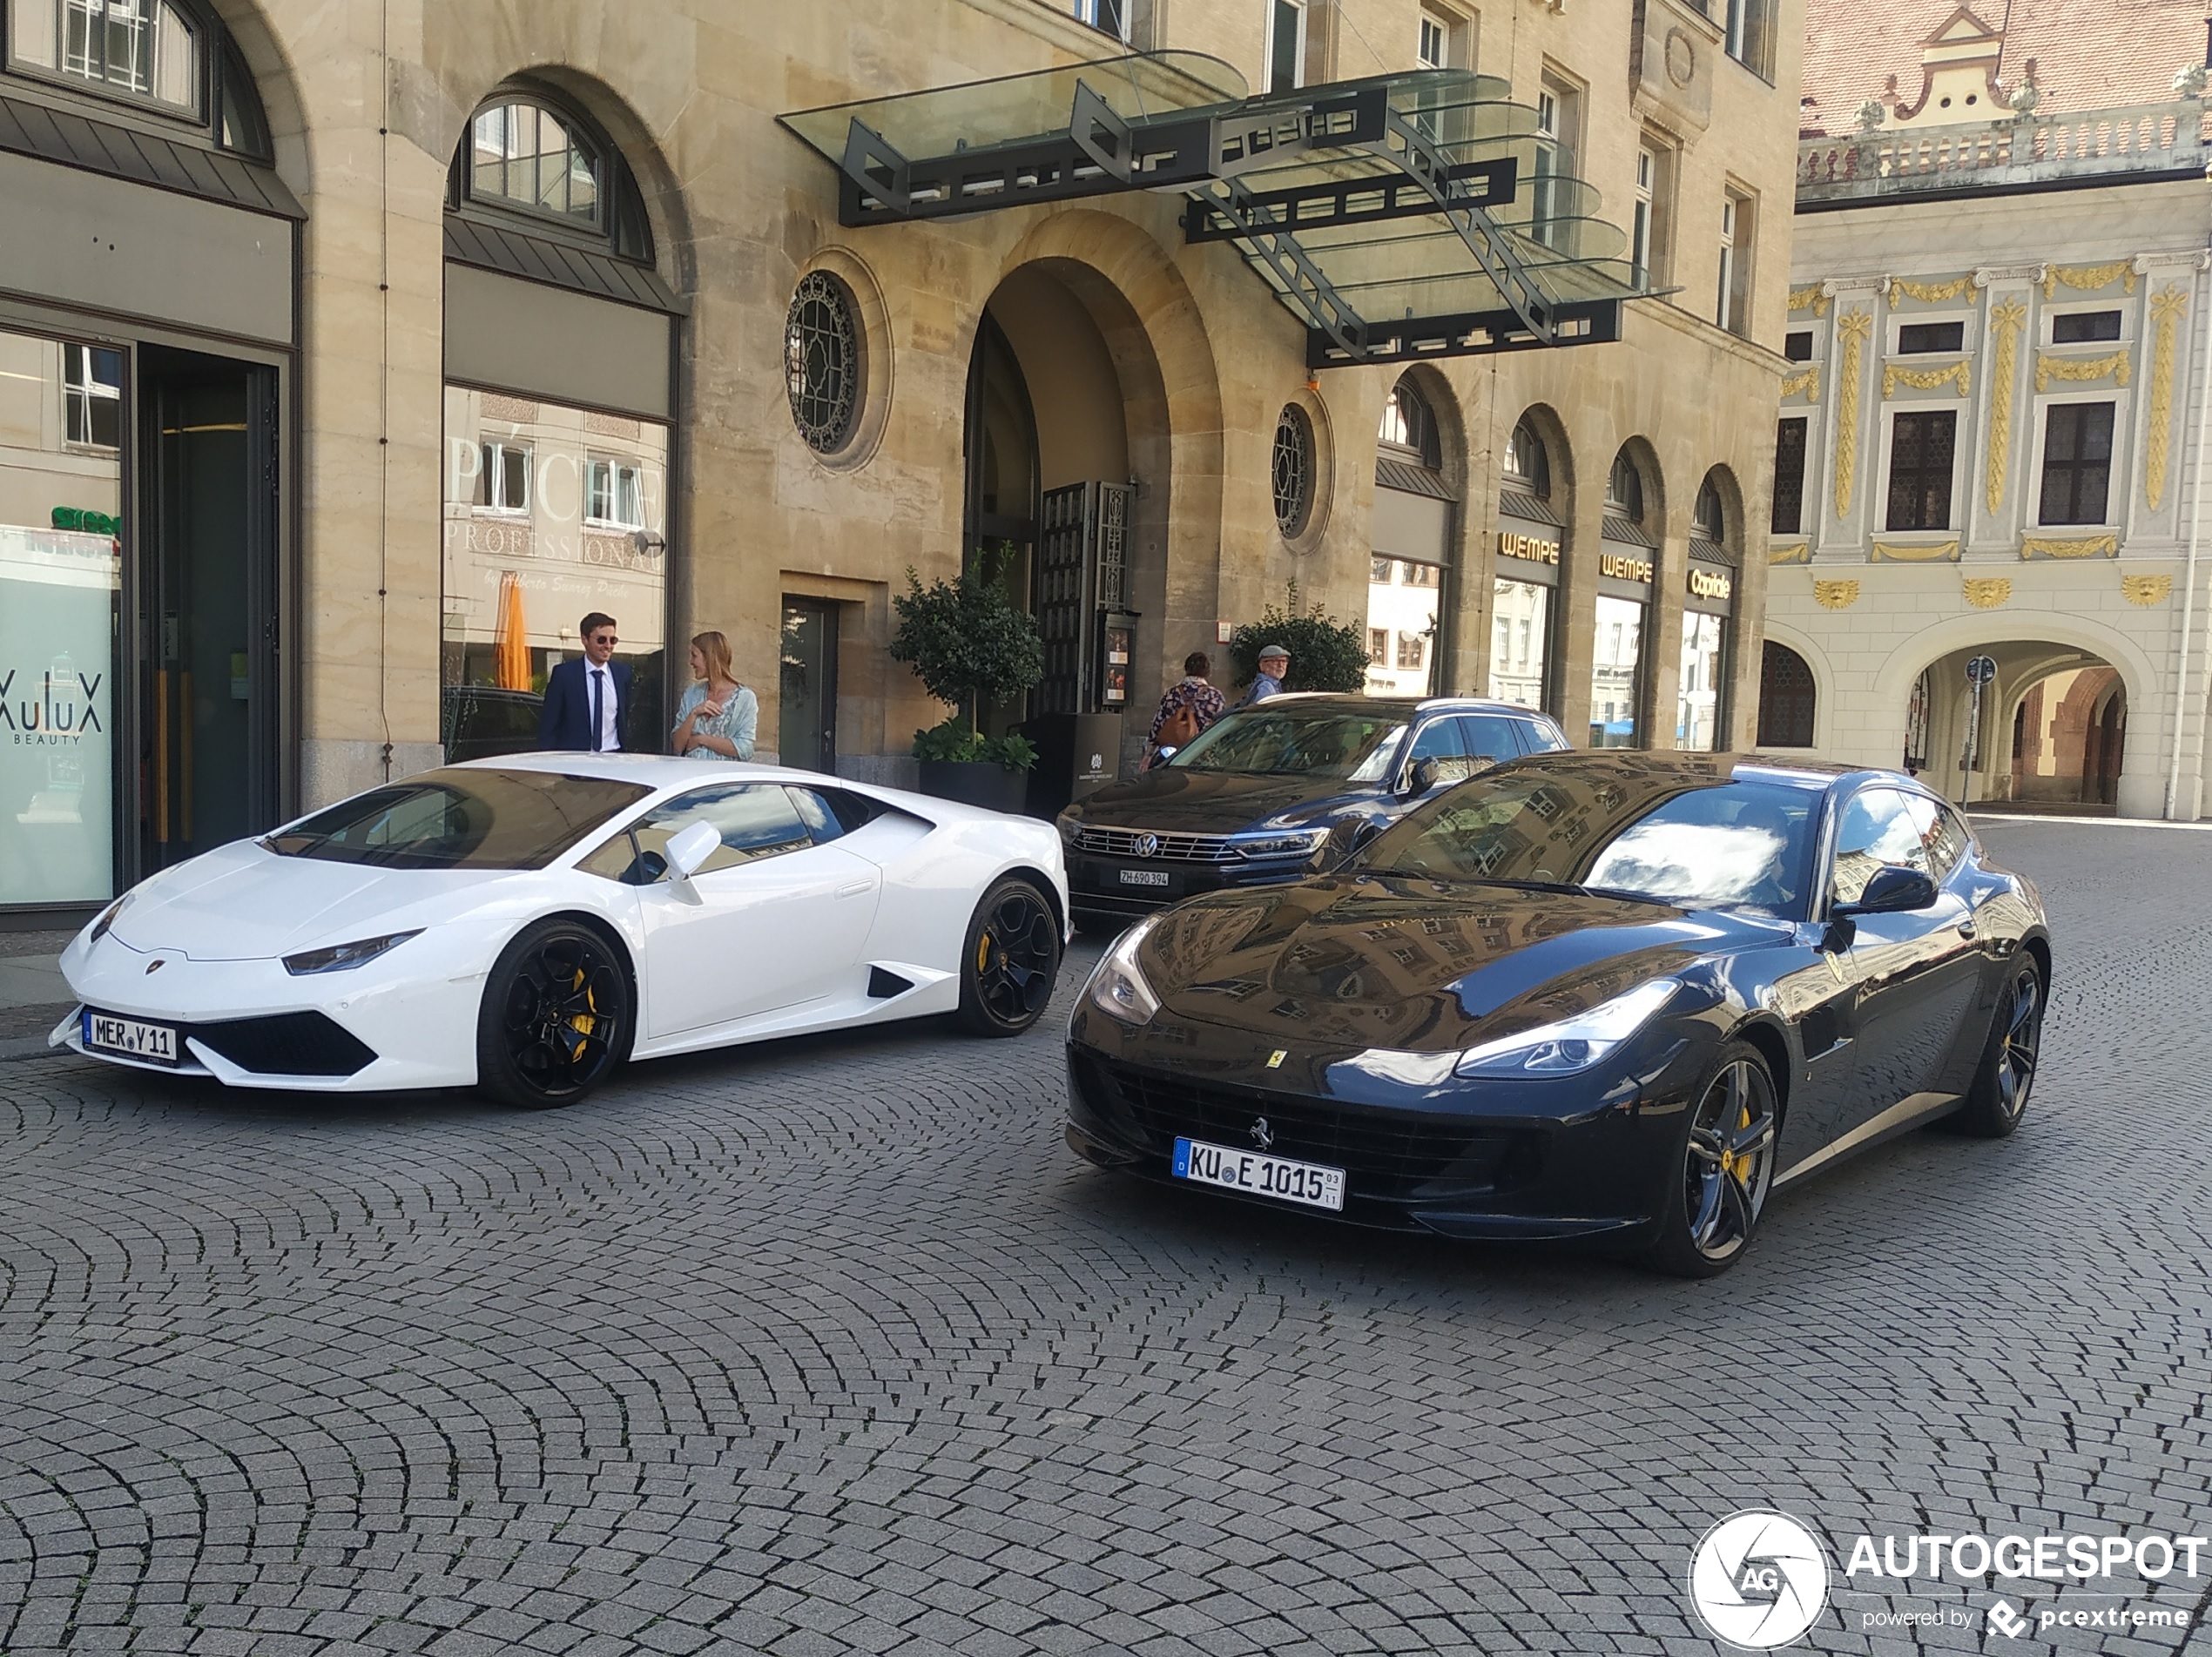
[540,259]
[2089,54]
[31,128]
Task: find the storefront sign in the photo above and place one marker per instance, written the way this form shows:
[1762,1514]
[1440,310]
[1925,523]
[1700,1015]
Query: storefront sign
[1529,547]
[1621,567]
[1711,583]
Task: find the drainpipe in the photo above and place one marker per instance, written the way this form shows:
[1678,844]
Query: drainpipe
[2197,537]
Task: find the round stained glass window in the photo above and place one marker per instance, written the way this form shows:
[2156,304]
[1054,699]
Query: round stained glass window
[1293,469]
[822,362]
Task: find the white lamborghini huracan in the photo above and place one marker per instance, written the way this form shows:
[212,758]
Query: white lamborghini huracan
[523,925]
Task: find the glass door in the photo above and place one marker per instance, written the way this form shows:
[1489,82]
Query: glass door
[807,736]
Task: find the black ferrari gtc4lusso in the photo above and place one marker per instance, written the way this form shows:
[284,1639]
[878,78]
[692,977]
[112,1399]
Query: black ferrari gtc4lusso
[1599,996]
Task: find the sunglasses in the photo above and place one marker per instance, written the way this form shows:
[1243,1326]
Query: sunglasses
[603,638]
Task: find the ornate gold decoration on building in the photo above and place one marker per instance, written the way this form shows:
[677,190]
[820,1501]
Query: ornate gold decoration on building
[1926,379]
[1939,552]
[2048,367]
[1806,380]
[1989,592]
[2166,308]
[2087,279]
[2005,320]
[1853,327]
[1928,293]
[1800,553]
[2146,591]
[1836,595]
[1809,299]
[2103,546]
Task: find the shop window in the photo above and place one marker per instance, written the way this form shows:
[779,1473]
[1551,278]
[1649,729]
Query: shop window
[523,155]
[615,494]
[822,360]
[145,50]
[1617,675]
[1292,470]
[504,480]
[1922,448]
[1528,463]
[2077,463]
[1786,694]
[1520,622]
[93,396]
[1921,338]
[2085,327]
[1697,724]
[1788,476]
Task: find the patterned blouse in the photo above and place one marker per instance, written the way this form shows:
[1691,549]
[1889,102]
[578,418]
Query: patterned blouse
[1195,694]
[739,720]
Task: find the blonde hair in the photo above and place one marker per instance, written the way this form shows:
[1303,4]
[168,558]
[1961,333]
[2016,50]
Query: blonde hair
[716,651]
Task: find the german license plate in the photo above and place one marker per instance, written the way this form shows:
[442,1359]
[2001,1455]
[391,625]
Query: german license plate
[1308,1183]
[1144,877]
[130,1038]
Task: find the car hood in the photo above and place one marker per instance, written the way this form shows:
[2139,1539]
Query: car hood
[240,902]
[1217,802]
[1395,964]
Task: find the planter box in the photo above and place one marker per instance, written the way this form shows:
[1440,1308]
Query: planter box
[976,782]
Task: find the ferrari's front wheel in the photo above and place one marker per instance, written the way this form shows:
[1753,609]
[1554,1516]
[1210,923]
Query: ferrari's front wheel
[555,1017]
[1010,961]
[1722,1165]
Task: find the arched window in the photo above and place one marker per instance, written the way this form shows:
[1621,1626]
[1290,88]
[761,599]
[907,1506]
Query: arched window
[1786,698]
[171,56]
[1528,466]
[521,154]
[1624,488]
[1708,519]
[1293,470]
[1409,427]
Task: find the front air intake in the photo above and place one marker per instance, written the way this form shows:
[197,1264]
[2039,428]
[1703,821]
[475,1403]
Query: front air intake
[286,1044]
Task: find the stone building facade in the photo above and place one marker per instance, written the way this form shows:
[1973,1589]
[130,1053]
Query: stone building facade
[1990,437]
[430,328]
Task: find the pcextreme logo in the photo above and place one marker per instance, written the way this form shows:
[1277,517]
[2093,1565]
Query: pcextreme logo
[1758,1579]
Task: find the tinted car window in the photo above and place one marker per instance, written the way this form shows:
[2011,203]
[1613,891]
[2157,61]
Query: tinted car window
[755,820]
[1353,747]
[1727,844]
[461,819]
[1878,831]
[1438,739]
[815,810]
[1491,736]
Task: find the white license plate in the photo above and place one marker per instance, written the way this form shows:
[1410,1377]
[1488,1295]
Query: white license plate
[1144,877]
[1309,1183]
[131,1039]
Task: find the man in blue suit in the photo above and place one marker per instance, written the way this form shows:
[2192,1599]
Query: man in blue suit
[588,702]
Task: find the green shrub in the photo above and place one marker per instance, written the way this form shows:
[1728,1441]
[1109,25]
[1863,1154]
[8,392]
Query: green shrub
[969,643]
[955,742]
[1325,654]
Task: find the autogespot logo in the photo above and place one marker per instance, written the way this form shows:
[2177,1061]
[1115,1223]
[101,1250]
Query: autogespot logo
[1758,1579]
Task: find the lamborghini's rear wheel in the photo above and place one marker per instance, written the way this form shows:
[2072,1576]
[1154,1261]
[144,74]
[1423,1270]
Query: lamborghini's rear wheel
[1012,958]
[555,1017]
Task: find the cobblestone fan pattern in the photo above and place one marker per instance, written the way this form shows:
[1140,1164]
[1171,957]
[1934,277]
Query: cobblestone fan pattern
[832,1347]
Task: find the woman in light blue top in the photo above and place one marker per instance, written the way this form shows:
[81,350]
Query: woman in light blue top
[718,717]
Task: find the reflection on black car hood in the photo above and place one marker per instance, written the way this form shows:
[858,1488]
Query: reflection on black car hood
[1216,801]
[1390,961]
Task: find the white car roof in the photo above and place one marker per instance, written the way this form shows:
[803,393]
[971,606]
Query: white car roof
[651,771]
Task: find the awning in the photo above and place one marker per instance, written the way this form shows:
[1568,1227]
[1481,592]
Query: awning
[1419,214]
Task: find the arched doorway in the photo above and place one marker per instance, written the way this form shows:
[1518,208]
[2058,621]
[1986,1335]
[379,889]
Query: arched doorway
[2047,733]
[2068,729]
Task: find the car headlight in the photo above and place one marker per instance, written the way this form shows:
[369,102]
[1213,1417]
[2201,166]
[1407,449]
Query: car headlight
[107,918]
[343,957]
[1282,843]
[1117,986]
[1572,1044]
[1071,829]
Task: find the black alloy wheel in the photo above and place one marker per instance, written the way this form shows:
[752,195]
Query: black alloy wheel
[2001,1089]
[1724,1170]
[1011,959]
[556,1019]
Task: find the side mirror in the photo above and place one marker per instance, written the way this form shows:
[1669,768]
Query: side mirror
[1420,779]
[1890,891]
[691,847]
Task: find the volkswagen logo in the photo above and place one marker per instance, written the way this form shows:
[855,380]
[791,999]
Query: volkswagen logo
[155,965]
[1263,1135]
[1146,845]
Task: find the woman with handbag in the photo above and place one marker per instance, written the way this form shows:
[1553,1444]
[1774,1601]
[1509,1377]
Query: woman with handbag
[1187,709]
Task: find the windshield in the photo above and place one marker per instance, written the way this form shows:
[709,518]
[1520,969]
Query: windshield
[1337,744]
[1722,845]
[461,819]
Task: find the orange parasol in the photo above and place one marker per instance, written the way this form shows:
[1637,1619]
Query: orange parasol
[511,641]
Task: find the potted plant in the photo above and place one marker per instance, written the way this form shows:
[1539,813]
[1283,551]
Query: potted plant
[967,642]
[1325,654]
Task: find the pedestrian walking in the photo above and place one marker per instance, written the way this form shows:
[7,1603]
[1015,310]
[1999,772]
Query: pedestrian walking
[587,699]
[1188,707]
[717,718]
[1274,664]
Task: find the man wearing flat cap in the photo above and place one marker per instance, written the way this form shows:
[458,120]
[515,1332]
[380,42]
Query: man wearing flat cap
[1274,663]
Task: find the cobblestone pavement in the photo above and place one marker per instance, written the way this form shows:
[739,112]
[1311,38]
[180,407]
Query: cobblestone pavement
[830,1346]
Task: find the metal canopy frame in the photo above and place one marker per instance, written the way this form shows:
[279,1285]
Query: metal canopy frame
[1289,177]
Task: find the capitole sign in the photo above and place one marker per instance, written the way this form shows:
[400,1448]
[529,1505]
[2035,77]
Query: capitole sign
[1530,547]
[1711,583]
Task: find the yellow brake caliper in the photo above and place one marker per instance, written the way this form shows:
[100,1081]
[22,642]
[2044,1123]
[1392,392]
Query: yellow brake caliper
[983,954]
[584,1023]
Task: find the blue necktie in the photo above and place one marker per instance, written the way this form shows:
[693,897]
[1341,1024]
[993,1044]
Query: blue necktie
[598,677]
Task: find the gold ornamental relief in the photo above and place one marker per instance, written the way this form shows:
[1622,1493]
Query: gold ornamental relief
[2004,320]
[1891,552]
[1835,594]
[2166,308]
[1800,553]
[1853,327]
[1989,594]
[2048,367]
[1929,292]
[1926,379]
[2104,546]
[2146,591]
[2087,279]
[1809,299]
[1806,380]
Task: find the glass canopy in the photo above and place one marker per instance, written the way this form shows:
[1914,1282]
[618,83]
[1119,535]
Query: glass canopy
[1415,214]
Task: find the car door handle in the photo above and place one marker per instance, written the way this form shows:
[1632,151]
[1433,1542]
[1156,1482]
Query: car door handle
[855,889]
[1966,928]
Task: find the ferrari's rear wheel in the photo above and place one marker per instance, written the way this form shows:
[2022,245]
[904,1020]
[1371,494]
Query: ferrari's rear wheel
[2000,1094]
[555,1017]
[1723,1165]
[1012,958]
